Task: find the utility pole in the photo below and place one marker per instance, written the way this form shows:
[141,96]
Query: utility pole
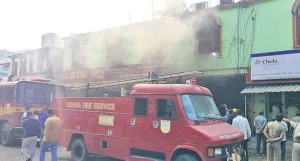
[238,37]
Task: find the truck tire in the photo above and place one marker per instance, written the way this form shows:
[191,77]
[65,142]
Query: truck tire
[79,151]
[6,135]
[187,157]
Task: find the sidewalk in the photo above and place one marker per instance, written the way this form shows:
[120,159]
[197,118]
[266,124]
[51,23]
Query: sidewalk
[252,151]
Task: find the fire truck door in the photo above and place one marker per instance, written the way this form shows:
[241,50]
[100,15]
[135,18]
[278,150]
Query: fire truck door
[141,123]
[166,125]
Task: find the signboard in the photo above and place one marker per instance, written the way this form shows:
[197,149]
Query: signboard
[275,65]
[109,74]
[106,120]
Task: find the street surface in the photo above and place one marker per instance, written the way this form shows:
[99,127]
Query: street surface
[14,153]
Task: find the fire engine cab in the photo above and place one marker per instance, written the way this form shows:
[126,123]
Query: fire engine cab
[170,122]
[15,96]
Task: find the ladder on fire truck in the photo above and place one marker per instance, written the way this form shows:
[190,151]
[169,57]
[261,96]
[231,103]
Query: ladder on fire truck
[152,78]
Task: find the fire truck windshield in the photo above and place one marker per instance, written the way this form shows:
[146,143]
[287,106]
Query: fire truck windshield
[37,93]
[198,107]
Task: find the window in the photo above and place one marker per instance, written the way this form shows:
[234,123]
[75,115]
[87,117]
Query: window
[29,93]
[207,35]
[9,94]
[165,109]
[140,106]
[296,27]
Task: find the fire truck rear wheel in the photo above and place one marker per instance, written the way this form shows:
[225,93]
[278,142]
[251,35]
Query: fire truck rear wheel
[6,136]
[187,157]
[79,151]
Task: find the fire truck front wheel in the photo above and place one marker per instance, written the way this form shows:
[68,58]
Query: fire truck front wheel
[79,151]
[187,157]
[6,135]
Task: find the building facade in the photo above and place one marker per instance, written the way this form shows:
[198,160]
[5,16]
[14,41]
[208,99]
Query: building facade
[4,64]
[217,41]
[273,76]
[45,62]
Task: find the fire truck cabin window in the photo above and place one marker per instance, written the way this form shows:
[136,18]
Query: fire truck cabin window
[165,109]
[37,93]
[140,106]
[197,106]
[9,94]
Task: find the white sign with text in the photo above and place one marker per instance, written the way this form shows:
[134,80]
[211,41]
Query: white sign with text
[275,66]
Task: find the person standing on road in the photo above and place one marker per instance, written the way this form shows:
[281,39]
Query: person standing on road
[296,139]
[283,141]
[242,124]
[24,116]
[31,130]
[51,136]
[43,119]
[274,133]
[259,124]
[231,116]
[36,114]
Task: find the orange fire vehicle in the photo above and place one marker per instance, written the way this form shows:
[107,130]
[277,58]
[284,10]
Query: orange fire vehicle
[15,95]
[172,122]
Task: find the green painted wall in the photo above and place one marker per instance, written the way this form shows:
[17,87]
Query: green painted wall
[173,37]
[259,103]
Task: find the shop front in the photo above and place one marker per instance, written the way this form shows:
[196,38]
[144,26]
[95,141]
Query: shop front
[273,84]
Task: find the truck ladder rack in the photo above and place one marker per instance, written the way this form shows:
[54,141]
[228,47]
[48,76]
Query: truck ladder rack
[162,77]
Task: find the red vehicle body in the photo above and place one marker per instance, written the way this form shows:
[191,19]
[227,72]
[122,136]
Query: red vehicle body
[14,96]
[172,122]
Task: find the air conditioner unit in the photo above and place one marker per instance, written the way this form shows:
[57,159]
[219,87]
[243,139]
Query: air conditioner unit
[222,2]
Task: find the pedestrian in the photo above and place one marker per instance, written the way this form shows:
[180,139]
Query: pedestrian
[43,117]
[51,136]
[24,116]
[31,128]
[283,141]
[259,123]
[36,114]
[274,133]
[231,116]
[242,124]
[296,139]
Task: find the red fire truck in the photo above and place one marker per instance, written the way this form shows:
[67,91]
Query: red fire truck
[15,95]
[172,122]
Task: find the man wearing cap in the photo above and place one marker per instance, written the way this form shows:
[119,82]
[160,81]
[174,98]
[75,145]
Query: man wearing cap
[231,116]
[259,123]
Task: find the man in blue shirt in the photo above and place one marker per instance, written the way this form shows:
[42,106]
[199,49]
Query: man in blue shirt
[259,124]
[43,117]
[31,128]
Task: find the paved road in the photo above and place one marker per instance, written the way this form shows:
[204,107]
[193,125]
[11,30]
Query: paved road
[14,154]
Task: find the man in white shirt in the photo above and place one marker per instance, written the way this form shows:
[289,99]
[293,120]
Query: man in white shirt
[24,116]
[242,124]
[275,111]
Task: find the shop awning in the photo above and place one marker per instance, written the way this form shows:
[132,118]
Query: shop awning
[271,88]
